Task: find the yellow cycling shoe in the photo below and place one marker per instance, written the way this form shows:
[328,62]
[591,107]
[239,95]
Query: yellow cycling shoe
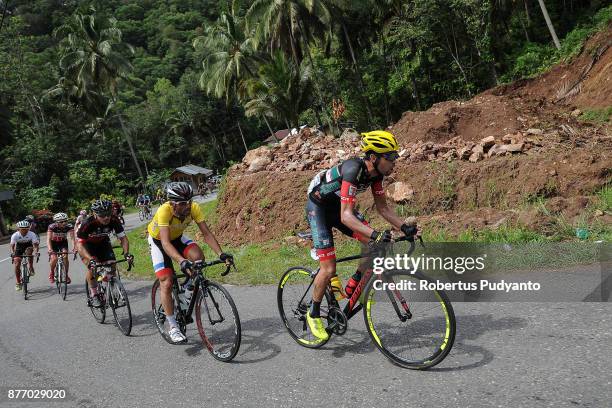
[316,327]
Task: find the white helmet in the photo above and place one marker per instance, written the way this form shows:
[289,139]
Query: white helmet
[23,224]
[60,217]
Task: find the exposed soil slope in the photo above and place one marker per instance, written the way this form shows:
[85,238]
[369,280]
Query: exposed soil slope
[538,149]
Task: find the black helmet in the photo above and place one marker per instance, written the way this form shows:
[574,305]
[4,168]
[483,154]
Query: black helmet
[102,207]
[179,191]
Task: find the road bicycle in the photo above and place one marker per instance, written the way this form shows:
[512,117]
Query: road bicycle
[216,314]
[413,328]
[25,272]
[60,273]
[111,294]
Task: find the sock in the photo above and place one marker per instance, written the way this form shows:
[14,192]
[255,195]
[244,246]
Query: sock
[172,321]
[315,309]
[93,291]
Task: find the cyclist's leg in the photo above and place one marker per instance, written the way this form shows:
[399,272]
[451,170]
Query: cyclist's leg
[324,244]
[188,248]
[30,251]
[19,251]
[53,261]
[162,265]
[364,263]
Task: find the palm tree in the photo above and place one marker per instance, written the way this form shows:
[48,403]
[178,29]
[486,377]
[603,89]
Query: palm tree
[282,90]
[232,58]
[93,64]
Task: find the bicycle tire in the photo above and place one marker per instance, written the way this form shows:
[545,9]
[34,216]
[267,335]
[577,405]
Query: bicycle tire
[118,299]
[296,323]
[99,313]
[214,343]
[56,276]
[422,330]
[160,317]
[141,215]
[63,282]
[24,280]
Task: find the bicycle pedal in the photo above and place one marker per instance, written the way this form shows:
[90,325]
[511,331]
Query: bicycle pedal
[188,319]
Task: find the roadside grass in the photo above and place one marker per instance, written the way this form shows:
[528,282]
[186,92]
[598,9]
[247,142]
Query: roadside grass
[514,248]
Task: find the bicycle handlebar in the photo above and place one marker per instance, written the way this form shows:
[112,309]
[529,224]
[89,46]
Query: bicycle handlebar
[199,265]
[25,256]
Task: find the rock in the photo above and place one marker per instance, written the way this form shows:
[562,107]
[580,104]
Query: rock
[514,148]
[476,156]
[464,153]
[350,135]
[317,155]
[400,192]
[534,131]
[507,139]
[292,240]
[553,172]
[576,112]
[487,142]
[598,213]
[451,154]
[496,150]
[477,149]
[258,164]
[251,155]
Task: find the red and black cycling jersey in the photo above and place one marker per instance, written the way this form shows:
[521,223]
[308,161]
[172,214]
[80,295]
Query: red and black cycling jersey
[343,182]
[60,232]
[93,232]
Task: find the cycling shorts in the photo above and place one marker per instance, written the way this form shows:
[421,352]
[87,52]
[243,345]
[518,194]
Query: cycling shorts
[162,263]
[322,218]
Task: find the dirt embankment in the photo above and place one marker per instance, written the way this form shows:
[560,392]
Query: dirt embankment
[470,164]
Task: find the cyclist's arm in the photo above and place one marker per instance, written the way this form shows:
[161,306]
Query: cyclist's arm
[169,249]
[347,216]
[125,244]
[83,252]
[71,234]
[386,212]
[209,238]
[49,236]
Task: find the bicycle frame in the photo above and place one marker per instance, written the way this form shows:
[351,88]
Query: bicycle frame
[350,309]
[200,279]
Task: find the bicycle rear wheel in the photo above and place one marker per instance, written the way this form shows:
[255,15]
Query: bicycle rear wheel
[99,313]
[413,328]
[218,321]
[160,317]
[120,305]
[294,295]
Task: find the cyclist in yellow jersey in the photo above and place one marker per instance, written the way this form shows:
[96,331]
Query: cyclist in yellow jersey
[167,242]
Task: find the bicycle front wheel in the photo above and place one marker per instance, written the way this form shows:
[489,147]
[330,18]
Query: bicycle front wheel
[24,281]
[294,295]
[120,305]
[413,328]
[218,321]
[98,312]
[63,285]
[141,215]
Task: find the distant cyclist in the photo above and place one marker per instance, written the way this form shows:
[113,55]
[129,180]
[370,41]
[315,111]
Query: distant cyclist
[57,242]
[167,242]
[94,245]
[331,204]
[23,242]
[82,216]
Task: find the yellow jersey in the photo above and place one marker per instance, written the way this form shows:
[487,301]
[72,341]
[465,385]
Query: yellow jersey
[164,217]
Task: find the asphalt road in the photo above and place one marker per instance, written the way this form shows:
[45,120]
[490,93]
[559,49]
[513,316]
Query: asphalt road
[505,354]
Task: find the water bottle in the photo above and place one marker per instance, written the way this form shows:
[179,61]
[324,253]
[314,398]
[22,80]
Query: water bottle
[336,286]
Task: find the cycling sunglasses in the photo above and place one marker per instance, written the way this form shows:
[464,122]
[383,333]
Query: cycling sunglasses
[391,156]
[182,203]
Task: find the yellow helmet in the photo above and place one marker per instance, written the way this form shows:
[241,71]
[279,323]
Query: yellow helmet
[378,141]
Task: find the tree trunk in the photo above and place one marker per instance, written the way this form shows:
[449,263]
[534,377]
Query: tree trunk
[132,152]
[246,149]
[550,25]
[366,102]
[527,13]
[3,14]
[269,128]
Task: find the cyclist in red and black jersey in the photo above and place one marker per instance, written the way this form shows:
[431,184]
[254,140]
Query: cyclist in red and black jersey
[331,204]
[93,241]
[57,241]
